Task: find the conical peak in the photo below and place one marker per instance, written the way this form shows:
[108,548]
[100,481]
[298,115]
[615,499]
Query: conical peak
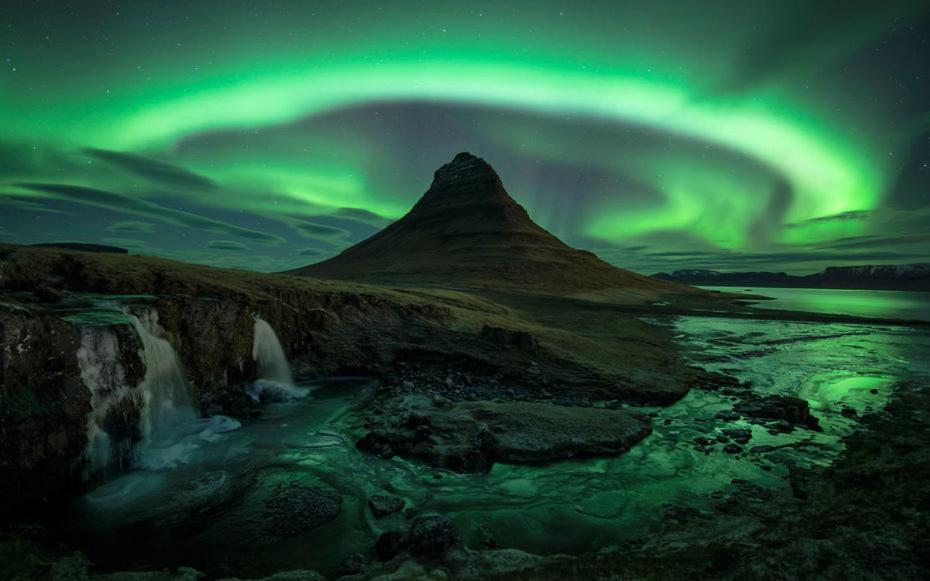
[466,172]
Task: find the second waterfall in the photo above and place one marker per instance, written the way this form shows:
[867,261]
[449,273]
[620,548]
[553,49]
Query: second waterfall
[275,381]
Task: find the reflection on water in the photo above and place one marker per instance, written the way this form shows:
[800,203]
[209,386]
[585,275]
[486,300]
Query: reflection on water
[211,510]
[859,303]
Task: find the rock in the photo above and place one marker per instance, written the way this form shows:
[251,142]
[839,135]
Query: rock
[505,564]
[431,536]
[471,436]
[790,411]
[506,337]
[732,449]
[389,544]
[738,435]
[848,412]
[294,508]
[354,564]
[383,505]
[727,416]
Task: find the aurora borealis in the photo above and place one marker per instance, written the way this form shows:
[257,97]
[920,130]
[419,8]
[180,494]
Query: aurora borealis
[662,135]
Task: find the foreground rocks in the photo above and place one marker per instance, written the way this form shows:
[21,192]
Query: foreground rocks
[472,436]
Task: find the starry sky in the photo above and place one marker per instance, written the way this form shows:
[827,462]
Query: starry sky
[737,135]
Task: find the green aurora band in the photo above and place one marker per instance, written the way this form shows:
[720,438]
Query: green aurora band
[831,156]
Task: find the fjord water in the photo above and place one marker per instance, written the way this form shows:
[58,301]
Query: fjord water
[860,303]
[208,511]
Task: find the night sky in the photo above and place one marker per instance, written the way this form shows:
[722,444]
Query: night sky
[730,135]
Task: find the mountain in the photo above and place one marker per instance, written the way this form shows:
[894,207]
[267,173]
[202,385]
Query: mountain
[908,277]
[83,247]
[466,231]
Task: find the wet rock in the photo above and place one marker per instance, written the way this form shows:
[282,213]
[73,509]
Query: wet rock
[762,449]
[294,508]
[727,416]
[383,505]
[779,413]
[389,544]
[738,435]
[848,412]
[471,436]
[354,564]
[431,536]
[505,564]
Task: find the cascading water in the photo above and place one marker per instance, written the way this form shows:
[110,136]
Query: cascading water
[269,355]
[166,396]
[275,379]
[162,399]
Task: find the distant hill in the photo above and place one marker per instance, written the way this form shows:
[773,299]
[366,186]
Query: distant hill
[909,277]
[466,231]
[84,247]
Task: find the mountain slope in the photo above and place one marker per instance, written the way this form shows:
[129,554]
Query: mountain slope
[466,231]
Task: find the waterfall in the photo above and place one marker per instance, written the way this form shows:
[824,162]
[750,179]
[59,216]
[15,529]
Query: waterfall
[275,381]
[166,396]
[162,399]
[269,355]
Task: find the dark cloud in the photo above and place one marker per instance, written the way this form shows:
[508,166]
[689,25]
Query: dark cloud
[132,226]
[150,210]
[877,241]
[226,245]
[363,216]
[842,217]
[312,230]
[27,203]
[157,171]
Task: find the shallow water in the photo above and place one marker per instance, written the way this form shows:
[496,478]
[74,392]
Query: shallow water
[860,303]
[206,507]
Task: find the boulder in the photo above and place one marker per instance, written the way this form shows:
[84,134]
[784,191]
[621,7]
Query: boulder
[786,411]
[431,536]
[294,508]
[383,505]
[471,436]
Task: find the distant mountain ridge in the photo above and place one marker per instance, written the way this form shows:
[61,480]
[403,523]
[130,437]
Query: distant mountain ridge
[83,247]
[466,231]
[907,277]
